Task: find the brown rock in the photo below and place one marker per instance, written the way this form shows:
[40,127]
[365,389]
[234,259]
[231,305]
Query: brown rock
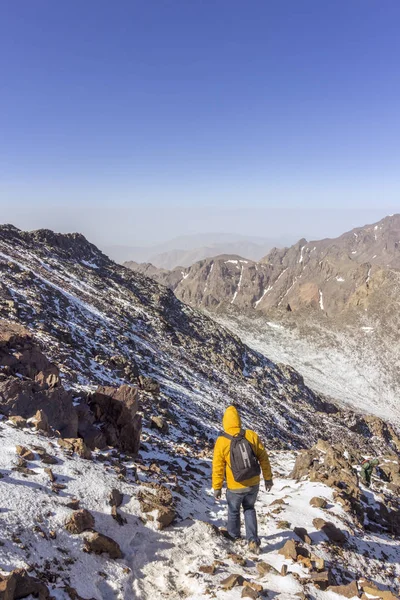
[25,453]
[207,569]
[283,525]
[80,521]
[158,497]
[148,384]
[41,422]
[115,498]
[253,585]
[73,504]
[318,502]
[302,534]
[117,516]
[321,580]
[116,409]
[330,530]
[50,473]
[47,459]
[100,544]
[159,423]
[348,591]
[19,422]
[22,397]
[76,445]
[232,581]
[284,570]
[382,594]
[248,592]
[264,568]
[289,550]
[18,584]
[237,559]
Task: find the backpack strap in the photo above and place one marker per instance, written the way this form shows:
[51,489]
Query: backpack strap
[241,434]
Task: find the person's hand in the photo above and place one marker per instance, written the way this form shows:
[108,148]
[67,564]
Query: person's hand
[217,494]
[268,485]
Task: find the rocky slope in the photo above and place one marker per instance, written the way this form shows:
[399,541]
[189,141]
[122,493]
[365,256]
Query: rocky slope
[113,391]
[104,325]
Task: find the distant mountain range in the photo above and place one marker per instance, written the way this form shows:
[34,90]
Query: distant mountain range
[328,307]
[327,275]
[186,250]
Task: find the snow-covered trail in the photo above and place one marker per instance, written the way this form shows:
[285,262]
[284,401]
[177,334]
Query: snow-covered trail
[172,570]
[163,564]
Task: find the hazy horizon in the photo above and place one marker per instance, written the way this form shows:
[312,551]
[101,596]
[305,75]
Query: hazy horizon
[155,120]
[138,227]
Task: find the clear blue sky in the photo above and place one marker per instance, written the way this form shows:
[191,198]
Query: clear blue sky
[290,103]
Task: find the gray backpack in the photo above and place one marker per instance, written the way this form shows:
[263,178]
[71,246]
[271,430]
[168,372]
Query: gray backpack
[244,463]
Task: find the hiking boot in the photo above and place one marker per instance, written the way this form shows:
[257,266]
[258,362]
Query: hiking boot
[224,532]
[254,547]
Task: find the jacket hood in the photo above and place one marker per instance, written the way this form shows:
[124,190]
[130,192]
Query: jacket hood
[231,421]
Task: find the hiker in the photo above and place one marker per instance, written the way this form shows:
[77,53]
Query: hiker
[238,456]
[366,470]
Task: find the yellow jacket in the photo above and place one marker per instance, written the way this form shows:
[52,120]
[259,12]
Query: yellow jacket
[232,425]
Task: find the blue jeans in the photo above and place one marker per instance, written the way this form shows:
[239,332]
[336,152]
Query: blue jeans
[235,501]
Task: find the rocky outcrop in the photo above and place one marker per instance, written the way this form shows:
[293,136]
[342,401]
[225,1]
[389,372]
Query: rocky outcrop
[334,466]
[29,382]
[116,410]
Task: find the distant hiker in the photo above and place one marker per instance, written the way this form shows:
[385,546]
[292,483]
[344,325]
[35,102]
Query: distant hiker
[366,470]
[238,456]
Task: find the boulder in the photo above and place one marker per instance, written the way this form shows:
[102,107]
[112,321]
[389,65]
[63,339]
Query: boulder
[333,533]
[304,461]
[318,502]
[93,436]
[80,521]
[207,569]
[232,581]
[18,584]
[116,410]
[321,579]
[248,592]
[76,445]
[21,397]
[73,504]
[264,568]
[289,550]
[102,544]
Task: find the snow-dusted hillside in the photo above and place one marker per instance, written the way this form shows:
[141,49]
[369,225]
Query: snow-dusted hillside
[357,363]
[104,325]
[170,563]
